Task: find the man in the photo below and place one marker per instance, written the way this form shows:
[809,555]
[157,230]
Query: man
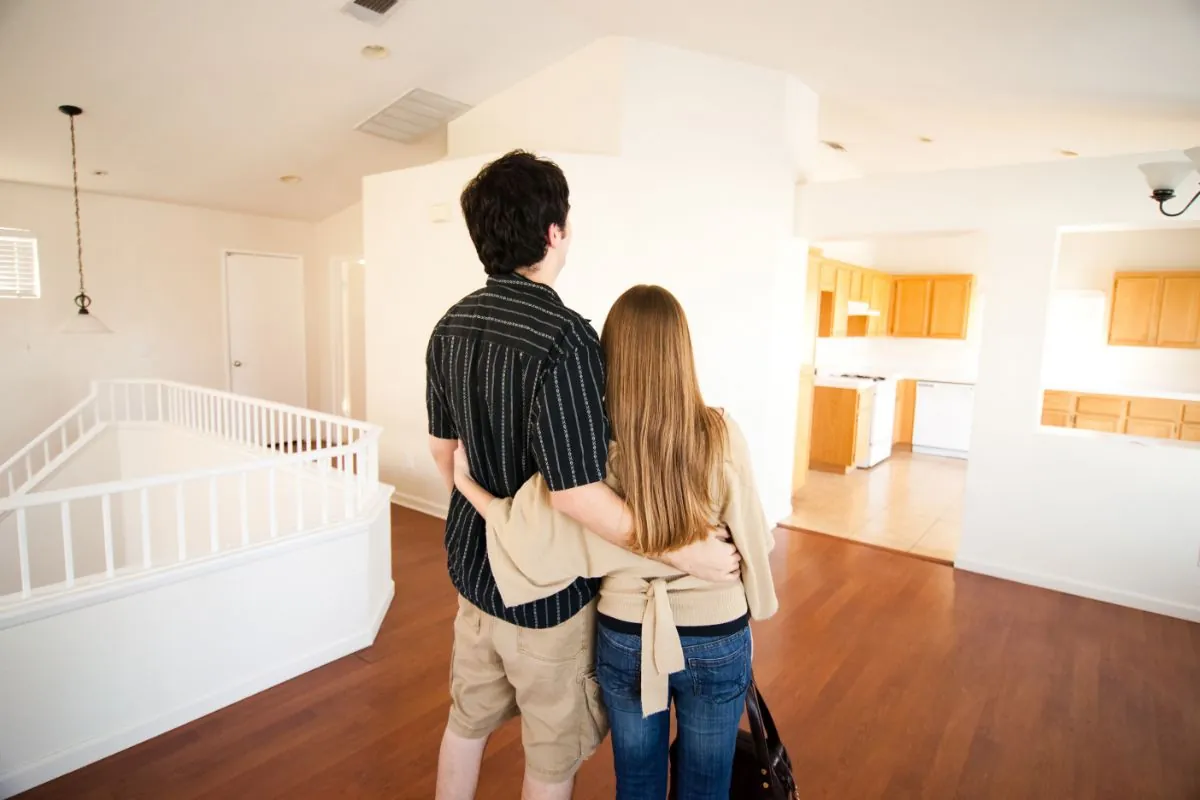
[518,377]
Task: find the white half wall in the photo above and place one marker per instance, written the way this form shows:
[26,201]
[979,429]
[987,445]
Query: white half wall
[1096,516]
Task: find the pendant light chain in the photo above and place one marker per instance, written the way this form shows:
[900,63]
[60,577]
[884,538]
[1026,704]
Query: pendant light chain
[82,300]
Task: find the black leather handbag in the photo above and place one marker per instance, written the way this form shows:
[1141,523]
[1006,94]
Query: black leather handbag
[762,769]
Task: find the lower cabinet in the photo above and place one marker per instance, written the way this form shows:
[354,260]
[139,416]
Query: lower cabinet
[1151,417]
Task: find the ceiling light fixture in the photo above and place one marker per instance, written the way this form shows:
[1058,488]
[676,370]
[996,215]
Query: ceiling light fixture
[1068,154]
[925,140]
[1164,178]
[290,179]
[83,321]
[375,52]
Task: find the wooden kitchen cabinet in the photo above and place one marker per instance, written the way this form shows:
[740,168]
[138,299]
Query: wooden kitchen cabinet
[1155,309]
[910,307]
[828,271]
[931,306]
[856,286]
[841,301]
[1179,317]
[881,290]
[1152,417]
[949,306]
[835,432]
[1055,419]
[1155,428]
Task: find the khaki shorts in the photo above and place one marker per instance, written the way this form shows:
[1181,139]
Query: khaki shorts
[499,670]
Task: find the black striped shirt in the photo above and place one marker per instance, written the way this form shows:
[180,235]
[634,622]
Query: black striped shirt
[518,377]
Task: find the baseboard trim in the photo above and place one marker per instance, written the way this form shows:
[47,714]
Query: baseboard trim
[1091,591]
[421,504]
[61,763]
[937,451]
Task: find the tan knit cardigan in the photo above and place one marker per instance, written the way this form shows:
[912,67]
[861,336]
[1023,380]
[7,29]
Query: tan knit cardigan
[536,552]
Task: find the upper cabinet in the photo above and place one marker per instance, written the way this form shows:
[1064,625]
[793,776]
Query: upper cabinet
[842,284]
[931,306]
[1155,309]
[910,306]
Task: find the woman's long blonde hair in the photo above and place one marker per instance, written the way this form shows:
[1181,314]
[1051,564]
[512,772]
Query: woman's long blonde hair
[669,445]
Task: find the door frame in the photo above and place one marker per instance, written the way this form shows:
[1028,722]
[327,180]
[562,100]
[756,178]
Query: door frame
[226,333]
[341,401]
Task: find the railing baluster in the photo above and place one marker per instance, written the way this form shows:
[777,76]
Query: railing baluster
[214,538]
[272,511]
[23,552]
[112,401]
[145,405]
[128,403]
[145,503]
[162,417]
[289,445]
[28,467]
[68,545]
[347,495]
[63,437]
[180,523]
[79,419]
[245,511]
[11,488]
[106,516]
[46,452]
[341,458]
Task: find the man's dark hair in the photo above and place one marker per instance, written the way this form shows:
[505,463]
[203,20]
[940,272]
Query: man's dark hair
[510,205]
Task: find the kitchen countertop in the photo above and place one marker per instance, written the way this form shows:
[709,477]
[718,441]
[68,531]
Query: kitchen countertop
[830,382]
[1120,438]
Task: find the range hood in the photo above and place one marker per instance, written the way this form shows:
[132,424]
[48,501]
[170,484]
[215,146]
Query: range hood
[857,308]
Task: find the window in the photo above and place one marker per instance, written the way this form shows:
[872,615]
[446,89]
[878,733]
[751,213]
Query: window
[18,265]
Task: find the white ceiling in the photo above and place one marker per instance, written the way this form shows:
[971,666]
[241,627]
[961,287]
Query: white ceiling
[210,102]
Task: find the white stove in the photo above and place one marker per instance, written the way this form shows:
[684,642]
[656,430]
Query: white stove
[883,418]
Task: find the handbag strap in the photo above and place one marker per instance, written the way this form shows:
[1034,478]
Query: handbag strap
[762,726]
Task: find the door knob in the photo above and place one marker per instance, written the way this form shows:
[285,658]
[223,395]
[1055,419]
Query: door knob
[237,363]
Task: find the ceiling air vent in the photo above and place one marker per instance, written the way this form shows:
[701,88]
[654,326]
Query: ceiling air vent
[412,117]
[372,11]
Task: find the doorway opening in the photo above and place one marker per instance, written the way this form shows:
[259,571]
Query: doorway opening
[347,335]
[895,326]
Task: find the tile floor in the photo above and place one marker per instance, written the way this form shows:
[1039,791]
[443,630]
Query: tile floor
[911,503]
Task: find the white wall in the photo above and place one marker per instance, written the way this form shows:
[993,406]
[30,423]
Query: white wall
[700,200]
[920,359]
[1077,353]
[1099,516]
[154,272]
[576,106]
[336,238]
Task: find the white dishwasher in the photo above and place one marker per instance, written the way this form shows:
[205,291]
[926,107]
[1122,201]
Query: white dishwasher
[942,418]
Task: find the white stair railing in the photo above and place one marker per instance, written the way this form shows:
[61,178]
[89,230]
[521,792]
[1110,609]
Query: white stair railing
[33,461]
[313,470]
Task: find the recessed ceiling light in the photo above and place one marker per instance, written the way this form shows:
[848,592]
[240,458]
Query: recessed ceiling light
[836,146]
[375,52]
[925,140]
[99,173]
[290,179]
[1068,153]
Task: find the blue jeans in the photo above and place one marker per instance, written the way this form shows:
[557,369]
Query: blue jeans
[709,696]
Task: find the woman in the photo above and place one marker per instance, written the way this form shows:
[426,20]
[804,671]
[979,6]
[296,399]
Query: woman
[663,637]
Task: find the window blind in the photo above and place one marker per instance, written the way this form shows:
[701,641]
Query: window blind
[18,264]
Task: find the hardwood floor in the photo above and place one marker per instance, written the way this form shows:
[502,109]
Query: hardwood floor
[889,677]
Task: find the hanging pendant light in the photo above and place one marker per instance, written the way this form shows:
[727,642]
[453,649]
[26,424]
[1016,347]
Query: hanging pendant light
[83,320]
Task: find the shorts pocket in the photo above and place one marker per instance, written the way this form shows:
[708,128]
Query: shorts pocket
[595,722]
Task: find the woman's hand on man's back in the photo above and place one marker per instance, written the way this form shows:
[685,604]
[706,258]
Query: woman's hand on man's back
[712,559]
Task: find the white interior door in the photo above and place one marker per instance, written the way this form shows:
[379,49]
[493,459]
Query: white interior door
[267,355]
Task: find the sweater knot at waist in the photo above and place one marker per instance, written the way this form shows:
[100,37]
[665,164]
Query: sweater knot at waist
[662,651]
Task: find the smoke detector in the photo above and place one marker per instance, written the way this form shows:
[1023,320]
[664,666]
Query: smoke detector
[412,117]
[374,12]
